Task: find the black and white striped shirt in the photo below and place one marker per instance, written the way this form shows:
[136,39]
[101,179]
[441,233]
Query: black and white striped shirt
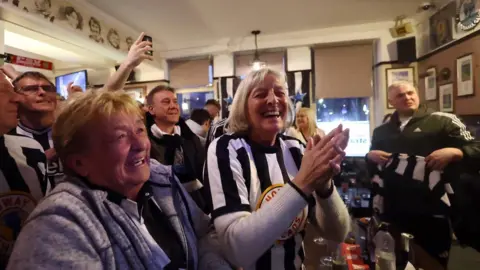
[44,137]
[22,185]
[239,171]
[215,131]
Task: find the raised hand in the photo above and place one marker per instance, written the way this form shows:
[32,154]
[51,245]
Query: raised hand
[137,52]
[321,160]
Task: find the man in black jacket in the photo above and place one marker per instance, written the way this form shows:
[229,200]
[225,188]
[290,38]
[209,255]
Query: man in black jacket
[446,145]
[173,142]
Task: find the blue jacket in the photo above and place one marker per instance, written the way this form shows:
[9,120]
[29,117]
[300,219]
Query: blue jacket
[77,227]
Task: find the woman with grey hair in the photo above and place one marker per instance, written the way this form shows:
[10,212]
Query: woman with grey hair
[264,185]
[116,209]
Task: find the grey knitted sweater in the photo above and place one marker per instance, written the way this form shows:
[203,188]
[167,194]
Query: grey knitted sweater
[77,227]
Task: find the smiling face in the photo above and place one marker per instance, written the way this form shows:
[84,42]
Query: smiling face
[164,107]
[39,95]
[267,108]
[117,154]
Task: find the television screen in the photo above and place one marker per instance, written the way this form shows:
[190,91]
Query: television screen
[78,78]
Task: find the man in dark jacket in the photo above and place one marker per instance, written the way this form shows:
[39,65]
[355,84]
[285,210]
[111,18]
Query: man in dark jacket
[443,140]
[173,143]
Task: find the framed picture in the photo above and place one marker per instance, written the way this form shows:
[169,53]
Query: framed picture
[441,26]
[397,75]
[137,92]
[446,97]
[465,86]
[431,84]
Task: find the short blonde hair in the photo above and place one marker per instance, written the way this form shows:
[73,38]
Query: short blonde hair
[70,128]
[312,122]
[400,84]
[237,120]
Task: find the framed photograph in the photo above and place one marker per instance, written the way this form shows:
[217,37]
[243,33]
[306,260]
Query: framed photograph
[441,26]
[465,86]
[137,92]
[394,75]
[445,93]
[431,84]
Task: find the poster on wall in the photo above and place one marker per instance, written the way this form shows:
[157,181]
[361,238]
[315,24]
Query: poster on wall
[431,84]
[446,97]
[441,26]
[395,75]
[465,86]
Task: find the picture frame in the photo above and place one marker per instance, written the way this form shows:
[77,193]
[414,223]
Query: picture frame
[394,75]
[137,92]
[446,98]
[465,75]
[431,84]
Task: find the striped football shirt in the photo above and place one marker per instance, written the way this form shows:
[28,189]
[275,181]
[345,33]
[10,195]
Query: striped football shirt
[54,171]
[22,185]
[233,189]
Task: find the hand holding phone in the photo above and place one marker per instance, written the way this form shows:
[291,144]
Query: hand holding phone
[149,39]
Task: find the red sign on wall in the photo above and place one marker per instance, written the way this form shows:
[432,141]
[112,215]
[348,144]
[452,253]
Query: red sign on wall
[28,62]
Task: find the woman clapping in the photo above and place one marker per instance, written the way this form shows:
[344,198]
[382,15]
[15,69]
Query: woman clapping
[264,185]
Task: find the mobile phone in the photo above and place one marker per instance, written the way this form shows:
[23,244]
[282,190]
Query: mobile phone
[148,38]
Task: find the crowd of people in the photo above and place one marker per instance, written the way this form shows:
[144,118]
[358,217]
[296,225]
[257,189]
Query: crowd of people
[95,181]
[99,182]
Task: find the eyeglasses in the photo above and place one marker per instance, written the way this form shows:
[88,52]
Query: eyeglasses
[35,88]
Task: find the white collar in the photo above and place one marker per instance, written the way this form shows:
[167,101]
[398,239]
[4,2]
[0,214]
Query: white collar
[157,132]
[196,128]
[131,208]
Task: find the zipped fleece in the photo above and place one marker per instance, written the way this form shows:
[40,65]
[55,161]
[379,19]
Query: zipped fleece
[77,227]
[425,133]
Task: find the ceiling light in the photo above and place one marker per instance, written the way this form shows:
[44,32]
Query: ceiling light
[257,64]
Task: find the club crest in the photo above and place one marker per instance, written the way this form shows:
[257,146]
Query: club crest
[468,14]
[14,210]
[297,225]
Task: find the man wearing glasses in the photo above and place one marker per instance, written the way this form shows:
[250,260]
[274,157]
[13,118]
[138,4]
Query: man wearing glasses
[36,116]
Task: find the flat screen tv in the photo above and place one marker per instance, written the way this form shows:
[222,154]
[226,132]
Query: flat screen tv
[78,78]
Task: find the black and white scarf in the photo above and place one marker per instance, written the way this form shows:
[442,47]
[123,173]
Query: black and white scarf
[406,186]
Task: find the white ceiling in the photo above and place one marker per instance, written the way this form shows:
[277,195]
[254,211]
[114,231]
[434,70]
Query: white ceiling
[182,24]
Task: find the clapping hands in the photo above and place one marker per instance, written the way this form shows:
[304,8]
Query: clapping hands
[321,160]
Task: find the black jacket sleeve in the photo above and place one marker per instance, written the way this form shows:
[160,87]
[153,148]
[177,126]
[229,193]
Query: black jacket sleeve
[459,137]
[372,167]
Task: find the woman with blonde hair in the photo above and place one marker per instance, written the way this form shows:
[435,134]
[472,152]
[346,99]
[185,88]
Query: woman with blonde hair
[305,126]
[264,185]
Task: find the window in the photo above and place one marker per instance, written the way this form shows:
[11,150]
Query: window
[189,101]
[353,113]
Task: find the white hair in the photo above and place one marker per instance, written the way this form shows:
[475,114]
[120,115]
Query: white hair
[401,84]
[237,121]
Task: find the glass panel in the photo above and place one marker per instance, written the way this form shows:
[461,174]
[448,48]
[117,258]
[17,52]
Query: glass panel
[210,74]
[191,101]
[353,113]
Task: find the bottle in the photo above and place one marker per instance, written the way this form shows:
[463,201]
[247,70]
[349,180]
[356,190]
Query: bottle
[339,261]
[384,249]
